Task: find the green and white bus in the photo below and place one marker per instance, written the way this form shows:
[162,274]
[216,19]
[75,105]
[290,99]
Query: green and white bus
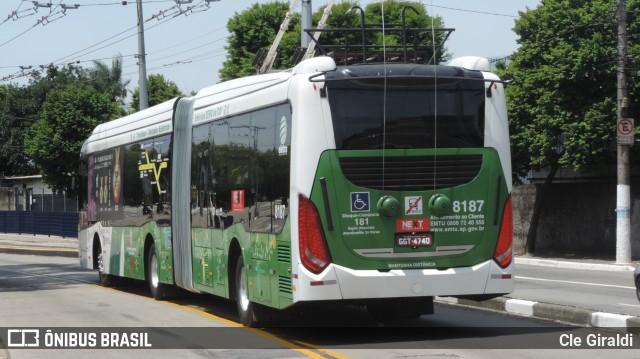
[381,185]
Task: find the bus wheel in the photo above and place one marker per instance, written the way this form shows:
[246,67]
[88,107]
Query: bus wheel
[156,288]
[106,280]
[246,308]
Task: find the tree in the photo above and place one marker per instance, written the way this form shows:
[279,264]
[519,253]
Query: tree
[256,28]
[16,115]
[20,106]
[160,90]
[67,118]
[110,80]
[19,109]
[251,30]
[562,106]
[393,15]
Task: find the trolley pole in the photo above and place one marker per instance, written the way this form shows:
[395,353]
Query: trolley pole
[623,126]
[142,62]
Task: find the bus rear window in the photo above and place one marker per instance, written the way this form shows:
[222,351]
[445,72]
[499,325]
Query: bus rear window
[412,112]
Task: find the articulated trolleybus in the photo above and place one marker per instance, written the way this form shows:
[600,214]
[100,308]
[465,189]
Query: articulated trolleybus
[381,185]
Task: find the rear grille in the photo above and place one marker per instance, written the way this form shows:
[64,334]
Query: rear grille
[284,253]
[411,173]
[284,285]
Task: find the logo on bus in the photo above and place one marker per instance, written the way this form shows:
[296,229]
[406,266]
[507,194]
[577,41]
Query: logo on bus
[413,225]
[360,202]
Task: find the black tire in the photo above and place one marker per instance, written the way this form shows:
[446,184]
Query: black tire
[638,287]
[246,308]
[106,280]
[157,289]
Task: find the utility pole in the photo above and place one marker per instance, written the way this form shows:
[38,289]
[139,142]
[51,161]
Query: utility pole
[305,23]
[623,125]
[142,62]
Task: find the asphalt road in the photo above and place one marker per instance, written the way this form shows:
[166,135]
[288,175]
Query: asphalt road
[606,291]
[53,292]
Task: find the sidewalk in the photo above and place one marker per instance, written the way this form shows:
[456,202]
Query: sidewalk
[38,245]
[68,247]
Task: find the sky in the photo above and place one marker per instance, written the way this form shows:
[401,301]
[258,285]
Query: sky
[188,49]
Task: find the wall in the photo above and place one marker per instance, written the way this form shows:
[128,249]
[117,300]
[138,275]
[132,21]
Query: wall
[7,199]
[577,220]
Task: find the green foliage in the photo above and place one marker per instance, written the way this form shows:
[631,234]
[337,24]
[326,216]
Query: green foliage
[256,28]
[393,15]
[339,19]
[109,80]
[159,90]
[24,107]
[19,109]
[251,30]
[16,115]
[68,116]
[562,106]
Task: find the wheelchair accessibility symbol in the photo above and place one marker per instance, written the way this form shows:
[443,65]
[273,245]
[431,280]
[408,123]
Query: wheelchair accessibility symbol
[360,202]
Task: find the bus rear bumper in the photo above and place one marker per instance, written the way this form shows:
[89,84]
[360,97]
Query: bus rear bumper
[481,279]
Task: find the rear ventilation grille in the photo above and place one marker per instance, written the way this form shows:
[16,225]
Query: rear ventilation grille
[411,173]
[284,285]
[284,253]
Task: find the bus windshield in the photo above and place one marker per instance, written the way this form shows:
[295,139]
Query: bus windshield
[412,112]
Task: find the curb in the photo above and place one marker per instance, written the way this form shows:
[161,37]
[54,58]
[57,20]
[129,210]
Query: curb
[566,314]
[575,265]
[40,251]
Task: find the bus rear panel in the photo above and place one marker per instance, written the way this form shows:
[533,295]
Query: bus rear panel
[408,200]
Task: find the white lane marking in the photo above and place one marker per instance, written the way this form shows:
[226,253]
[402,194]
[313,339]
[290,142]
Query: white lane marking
[48,276]
[630,305]
[572,282]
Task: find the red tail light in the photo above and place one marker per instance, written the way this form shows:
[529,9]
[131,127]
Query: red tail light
[504,253]
[313,248]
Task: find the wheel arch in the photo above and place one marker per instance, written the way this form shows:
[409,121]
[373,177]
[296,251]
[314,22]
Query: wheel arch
[234,252]
[96,249]
[148,242]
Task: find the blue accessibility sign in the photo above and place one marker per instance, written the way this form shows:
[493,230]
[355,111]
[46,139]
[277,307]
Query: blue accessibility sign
[360,202]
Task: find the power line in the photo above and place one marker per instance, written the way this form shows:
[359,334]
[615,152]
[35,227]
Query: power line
[66,58]
[191,49]
[474,11]
[124,3]
[191,40]
[21,73]
[84,51]
[17,13]
[455,9]
[53,15]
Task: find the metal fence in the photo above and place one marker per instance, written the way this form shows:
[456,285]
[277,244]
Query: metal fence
[28,199]
[53,203]
[62,224]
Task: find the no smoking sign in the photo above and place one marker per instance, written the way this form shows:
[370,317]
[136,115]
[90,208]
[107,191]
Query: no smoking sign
[624,129]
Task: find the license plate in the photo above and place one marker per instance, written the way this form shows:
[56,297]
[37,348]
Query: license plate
[414,240]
